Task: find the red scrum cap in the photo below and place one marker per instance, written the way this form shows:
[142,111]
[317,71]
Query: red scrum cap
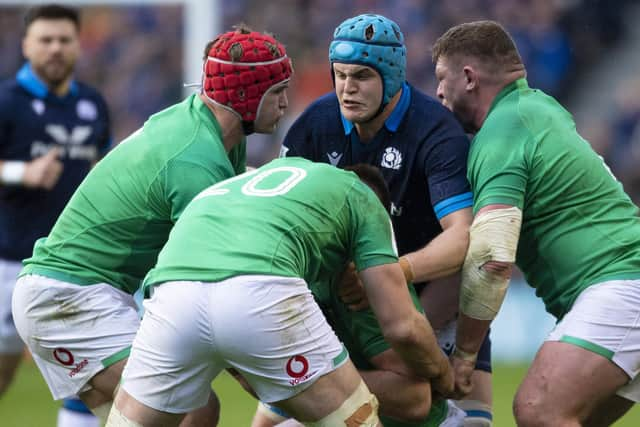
[240,67]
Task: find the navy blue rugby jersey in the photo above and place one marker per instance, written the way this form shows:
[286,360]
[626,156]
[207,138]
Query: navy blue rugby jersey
[421,152]
[32,121]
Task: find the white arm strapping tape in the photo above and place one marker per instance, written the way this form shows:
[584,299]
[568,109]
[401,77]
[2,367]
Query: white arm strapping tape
[493,236]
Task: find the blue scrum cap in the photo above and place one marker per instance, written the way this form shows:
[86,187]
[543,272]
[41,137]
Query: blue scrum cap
[374,41]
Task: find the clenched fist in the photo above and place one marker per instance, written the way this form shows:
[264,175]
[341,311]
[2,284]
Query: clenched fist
[44,171]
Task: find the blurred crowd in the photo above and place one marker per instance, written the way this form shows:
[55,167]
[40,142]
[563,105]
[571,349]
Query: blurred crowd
[134,55]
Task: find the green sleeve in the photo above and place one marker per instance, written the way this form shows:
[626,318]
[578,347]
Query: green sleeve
[498,170]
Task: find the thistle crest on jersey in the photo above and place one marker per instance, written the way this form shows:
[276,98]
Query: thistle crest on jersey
[391,158]
[240,67]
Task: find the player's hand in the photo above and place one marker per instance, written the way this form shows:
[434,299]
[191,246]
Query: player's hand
[44,171]
[462,370]
[351,289]
[443,385]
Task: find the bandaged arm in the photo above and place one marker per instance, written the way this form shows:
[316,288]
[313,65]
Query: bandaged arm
[486,272]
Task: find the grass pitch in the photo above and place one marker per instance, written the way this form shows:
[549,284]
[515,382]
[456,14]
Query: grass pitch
[28,402]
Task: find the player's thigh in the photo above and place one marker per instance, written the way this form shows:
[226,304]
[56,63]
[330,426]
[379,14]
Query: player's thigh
[10,342]
[103,385]
[328,394]
[590,355]
[130,412]
[605,320]
[567,381]
[173,358]
[73,332]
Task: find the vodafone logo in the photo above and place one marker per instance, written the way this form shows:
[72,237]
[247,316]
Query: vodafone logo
[297,366]
[63,356]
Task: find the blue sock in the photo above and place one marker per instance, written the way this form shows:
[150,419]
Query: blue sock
[74,413]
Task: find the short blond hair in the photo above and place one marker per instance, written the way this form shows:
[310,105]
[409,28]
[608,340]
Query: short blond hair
[486,41]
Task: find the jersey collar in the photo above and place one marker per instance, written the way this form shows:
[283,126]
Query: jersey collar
[395,118]
[32,84]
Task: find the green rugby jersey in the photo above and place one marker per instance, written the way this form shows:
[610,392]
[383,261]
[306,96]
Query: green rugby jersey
[579,227]
[291,218]
[119,218]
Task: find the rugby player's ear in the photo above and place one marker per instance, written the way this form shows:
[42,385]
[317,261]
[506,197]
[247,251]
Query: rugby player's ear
[471,77]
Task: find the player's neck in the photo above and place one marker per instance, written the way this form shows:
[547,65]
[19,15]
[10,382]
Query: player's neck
[232,133]
[61,89]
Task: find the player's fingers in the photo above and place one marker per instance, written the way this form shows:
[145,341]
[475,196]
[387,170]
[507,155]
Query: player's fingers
[53,154]
[52,174]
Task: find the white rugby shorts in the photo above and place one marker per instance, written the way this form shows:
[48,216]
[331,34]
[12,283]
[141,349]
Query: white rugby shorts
[605,319]
[268,328]
[10,342]
[73,331]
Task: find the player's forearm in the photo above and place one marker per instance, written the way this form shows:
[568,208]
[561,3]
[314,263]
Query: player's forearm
[470,333]
[442,257]
[407,330]
[416,344]
[440,300]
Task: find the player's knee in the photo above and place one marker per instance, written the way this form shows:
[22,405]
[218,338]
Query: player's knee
[360,409]
[530,410]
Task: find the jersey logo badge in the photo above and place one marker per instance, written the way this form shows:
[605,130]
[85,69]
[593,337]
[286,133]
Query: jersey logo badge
[38,106]
[86,110]
[297,368]
[334,158]
[391,159]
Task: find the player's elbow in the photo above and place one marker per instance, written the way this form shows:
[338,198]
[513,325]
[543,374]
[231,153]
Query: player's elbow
[401,332]
[499,268]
